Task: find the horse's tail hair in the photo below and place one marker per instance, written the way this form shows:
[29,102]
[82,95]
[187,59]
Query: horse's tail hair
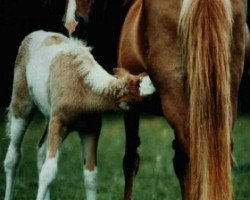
[205,29]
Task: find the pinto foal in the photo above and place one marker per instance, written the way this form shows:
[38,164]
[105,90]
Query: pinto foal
[61,78]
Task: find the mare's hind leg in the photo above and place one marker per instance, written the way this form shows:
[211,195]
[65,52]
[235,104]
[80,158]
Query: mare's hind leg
[57,132]
[180,162]
[89,139]
[19,115]
[131,158]
[41,155]
[175,112]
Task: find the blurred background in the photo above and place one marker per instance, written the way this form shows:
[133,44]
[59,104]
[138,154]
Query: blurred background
[156,179]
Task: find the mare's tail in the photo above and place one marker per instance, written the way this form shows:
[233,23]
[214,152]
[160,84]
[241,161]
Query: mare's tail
[205,30]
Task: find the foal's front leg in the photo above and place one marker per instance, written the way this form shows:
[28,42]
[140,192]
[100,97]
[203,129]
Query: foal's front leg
[57,132]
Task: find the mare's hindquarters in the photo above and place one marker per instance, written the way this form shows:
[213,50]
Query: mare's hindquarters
[202,111]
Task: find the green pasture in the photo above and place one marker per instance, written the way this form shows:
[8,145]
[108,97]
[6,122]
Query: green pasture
[155,181]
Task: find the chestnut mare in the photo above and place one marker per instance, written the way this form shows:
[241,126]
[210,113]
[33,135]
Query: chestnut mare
[194,53]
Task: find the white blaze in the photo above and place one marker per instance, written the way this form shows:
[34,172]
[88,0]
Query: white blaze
[70,13]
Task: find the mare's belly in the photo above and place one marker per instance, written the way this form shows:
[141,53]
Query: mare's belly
[131,46]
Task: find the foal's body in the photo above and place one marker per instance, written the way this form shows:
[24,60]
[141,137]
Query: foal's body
[61,78]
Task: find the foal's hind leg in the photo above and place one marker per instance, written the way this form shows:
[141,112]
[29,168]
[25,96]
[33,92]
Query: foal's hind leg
[131,157]
[57,132]
[20,110]
[41,155]
[89,140]
[17,129]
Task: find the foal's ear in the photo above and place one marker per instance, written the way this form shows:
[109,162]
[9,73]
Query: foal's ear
[120,72]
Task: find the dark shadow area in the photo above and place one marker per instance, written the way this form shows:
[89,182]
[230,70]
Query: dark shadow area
[20,17]
[17,19]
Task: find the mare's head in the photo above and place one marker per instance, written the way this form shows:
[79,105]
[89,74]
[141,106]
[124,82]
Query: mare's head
[83,8]
[76,9]
[138,87]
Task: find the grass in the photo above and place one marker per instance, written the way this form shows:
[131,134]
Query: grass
[155,181]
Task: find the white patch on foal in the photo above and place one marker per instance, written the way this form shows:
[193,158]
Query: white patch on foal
[10,163]
[38,68]
[17,128]
[98,79]
[146,86]
[46,176]
[90,180]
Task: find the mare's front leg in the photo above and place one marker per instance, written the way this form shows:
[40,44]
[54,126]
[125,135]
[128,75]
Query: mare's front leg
[89,139]
[131,157]
[57,132]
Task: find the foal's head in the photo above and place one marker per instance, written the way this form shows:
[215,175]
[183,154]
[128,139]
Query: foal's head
[138,87]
